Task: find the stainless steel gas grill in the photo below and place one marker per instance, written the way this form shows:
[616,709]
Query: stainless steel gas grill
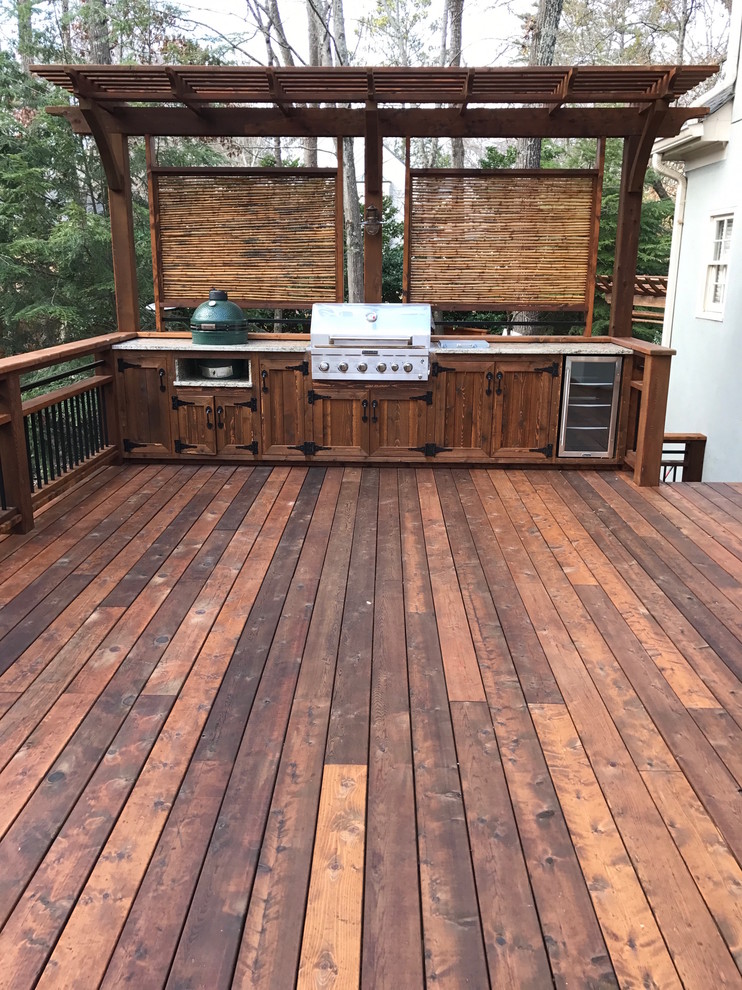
[376,341]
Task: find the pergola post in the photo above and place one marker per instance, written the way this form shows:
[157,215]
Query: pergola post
[372,242]
[122,239]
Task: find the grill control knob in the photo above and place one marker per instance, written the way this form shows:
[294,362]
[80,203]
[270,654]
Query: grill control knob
[381,366]
[407,367]
[342,366]
[324,366]
[362,366]
[395,367]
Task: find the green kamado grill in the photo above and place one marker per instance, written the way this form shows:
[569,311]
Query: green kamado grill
[218,321]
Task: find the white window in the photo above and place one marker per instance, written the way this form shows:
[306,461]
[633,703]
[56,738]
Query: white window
[716,271]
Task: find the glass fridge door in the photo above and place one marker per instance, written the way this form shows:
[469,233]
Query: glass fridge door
[589,406]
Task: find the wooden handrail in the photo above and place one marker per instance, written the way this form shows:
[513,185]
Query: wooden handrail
[19,363]
[693,454]
[59,394]
[14,446]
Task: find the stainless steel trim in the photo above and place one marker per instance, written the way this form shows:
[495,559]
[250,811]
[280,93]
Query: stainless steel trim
[372,341]
[609,449]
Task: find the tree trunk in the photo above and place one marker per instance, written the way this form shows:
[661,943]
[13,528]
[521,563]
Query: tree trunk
[24,12]
[351,205]
[543,44]
[455,16]
[97,22]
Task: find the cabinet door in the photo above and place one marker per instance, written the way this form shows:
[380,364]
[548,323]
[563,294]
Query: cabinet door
[400,421]
[526,408]
[144,399]
[196,423]
[237,422]
[464,405]
[340,421]
[285,423]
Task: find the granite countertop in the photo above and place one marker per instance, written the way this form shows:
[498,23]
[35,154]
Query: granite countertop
[478,346]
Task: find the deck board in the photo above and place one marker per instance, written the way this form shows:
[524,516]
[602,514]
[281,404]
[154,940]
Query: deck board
[372,727]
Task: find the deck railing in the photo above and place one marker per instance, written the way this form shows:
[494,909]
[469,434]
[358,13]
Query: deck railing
[682,457]
[53,438]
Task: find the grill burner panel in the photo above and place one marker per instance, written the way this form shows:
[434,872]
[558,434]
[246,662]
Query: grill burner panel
[370,341]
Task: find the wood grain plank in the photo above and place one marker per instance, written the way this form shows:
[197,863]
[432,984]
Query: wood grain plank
[217,912]
[392,936]
[271,939]
[106,898]
[463,680]
[347,737]
[549,595]
[710,861]
[331,948]
[670,661]
[638,952]
[119,679]
[516,954]
[149,939]
[452,935]
[683,635]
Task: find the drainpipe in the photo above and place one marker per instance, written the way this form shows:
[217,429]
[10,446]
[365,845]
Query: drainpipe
[679,219]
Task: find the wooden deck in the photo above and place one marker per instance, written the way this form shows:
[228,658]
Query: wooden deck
[377,727]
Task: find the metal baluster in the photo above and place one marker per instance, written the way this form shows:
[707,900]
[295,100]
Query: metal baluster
[67,432]
[88,424]
[41,474]
[47,443]
[29,453]
[102,425]
[73,431]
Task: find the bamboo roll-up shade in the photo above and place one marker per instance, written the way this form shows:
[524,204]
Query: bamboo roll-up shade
[493,240]
[261,237]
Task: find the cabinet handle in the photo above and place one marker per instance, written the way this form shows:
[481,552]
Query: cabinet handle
[498,390]
[490,377]
[364,406]
[219,420]
[374,417]
[161,373]
[264,376]
[209,424]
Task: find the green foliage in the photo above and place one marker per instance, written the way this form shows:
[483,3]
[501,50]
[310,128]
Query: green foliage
[392,233]
[269,161]
[494,158]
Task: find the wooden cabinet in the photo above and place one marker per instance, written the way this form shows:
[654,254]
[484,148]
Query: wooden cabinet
[401,420]
[285,423]
[464,407]
[339,421]
[526,408]
[144,401]
[219,422]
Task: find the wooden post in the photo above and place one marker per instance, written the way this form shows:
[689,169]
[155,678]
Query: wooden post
[372,243]
[122,238]
[627,246]
[111,400]
[13,454]
[651,429]
[154,230]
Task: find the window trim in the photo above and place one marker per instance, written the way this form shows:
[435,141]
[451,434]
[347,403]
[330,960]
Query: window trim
[722,241]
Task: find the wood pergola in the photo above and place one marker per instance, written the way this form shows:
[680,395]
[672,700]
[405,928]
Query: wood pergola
[636,103]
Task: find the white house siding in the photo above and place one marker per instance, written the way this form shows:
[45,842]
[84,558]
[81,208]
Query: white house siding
[706,376]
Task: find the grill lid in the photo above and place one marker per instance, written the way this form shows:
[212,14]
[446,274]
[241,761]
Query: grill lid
[364,324]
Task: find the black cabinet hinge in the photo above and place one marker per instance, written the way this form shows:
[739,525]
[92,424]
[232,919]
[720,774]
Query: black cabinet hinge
[250,404]
[550,369]
[547,451]
[252,447]
[130,445]
[123,365]
[180,446]
[313,397]
[426,397]
[178,402]
[437,369]
[430,449]
[303,367]
[307,448]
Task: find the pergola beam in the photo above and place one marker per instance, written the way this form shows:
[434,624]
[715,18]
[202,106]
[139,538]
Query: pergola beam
[341,122]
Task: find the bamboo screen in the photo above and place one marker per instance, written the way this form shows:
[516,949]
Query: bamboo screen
[501,240]
[267,238]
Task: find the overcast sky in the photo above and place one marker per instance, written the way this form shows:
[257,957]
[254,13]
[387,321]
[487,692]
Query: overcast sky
[490,26]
